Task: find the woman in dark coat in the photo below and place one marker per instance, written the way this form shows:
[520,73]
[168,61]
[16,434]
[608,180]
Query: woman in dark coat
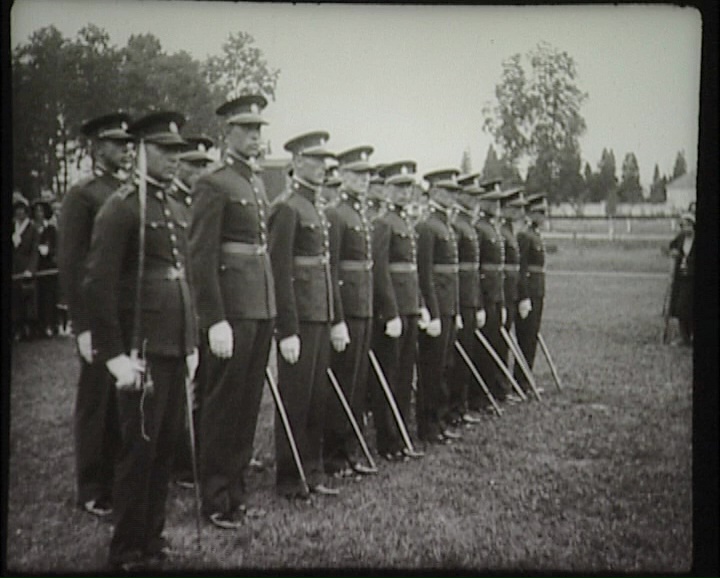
[682,251]
[47,285]
[25,256]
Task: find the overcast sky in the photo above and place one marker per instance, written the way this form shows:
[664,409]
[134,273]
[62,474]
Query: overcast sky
[412,80]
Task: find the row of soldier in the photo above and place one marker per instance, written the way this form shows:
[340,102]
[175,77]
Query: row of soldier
[186,263]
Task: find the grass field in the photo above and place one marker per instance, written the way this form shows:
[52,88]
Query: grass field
[595,478]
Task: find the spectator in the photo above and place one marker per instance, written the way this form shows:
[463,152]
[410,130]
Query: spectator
[25,257]
[682,251]
[47,285]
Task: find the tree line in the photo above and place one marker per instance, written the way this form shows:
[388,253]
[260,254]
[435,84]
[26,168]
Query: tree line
[536,118]
[58,83]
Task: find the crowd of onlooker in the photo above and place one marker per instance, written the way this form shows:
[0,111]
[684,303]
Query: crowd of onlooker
[37,306]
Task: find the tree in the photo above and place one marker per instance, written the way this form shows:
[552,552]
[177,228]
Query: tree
[680,165]
[658,193]
[537,117]
[241,69]
[466,163]
[607,174]
[630,190]
[491,168]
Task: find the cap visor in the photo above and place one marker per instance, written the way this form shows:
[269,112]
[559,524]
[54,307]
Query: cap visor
[247,118]
[170,140]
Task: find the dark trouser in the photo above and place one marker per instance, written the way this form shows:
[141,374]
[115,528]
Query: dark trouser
[503,348]
[47,302]
[432,403]
[527,331]
[397,359]
[231,402]
[683,306]
[340,447]
[485,363]
[459,376]
[304,389]
[143,468]
[97,432]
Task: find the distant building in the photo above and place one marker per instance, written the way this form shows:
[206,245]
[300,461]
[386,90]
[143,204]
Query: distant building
[681,192]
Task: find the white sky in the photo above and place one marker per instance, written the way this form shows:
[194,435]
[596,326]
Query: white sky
[412,80]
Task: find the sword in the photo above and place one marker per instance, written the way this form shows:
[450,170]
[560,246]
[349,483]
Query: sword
[478,377]
[546,351]
[393,405]
[193,459]
[288,430]
[520,359]
[500,364]
[351,419]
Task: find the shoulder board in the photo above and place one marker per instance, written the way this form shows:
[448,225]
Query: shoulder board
[125,190]
[84,182]
[214,167]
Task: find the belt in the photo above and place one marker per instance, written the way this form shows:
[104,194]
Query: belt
[468,267]
[356,265]
[536,268]
[237,248]
[445,268]
[491,267]
[168,274]
[402,267]
[511,267]
[310,260]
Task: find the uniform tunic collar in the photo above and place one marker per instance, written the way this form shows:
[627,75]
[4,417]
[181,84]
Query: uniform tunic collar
[244,166]
[305,189]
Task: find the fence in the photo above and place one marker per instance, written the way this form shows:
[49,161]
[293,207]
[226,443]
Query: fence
[611,228]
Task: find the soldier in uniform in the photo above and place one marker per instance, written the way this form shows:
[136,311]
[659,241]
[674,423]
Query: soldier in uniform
[235,293]
[438,278]
[511,204]
[532,281]
[376,205]
[192,163]
[492,259]
[151,418]
[471,303]
[97,433]
[351,267]
[396,309]
[299,250]
[331,188]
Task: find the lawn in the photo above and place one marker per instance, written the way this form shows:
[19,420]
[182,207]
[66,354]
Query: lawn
[595,478]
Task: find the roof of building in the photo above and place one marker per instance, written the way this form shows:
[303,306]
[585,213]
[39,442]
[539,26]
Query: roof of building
[686,181]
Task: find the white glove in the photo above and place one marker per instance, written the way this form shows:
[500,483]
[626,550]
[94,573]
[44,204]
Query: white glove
[125,371]
[84,343]
[434,328]
[290,349]
[393,328]
[480,318]
[44,250]
[424,318]
[503,316]
[221,339]
[191,362]
[524,308]
[459,322]
[340,336]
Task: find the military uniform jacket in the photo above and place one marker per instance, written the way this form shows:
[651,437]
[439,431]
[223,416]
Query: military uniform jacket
[81,205]
[299,252]
[168,319]
[532,264]
[182,192]
[511,269]
[492,259]
[396,289]
[350,260]
[469,258]
[232,274]
[438,265]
